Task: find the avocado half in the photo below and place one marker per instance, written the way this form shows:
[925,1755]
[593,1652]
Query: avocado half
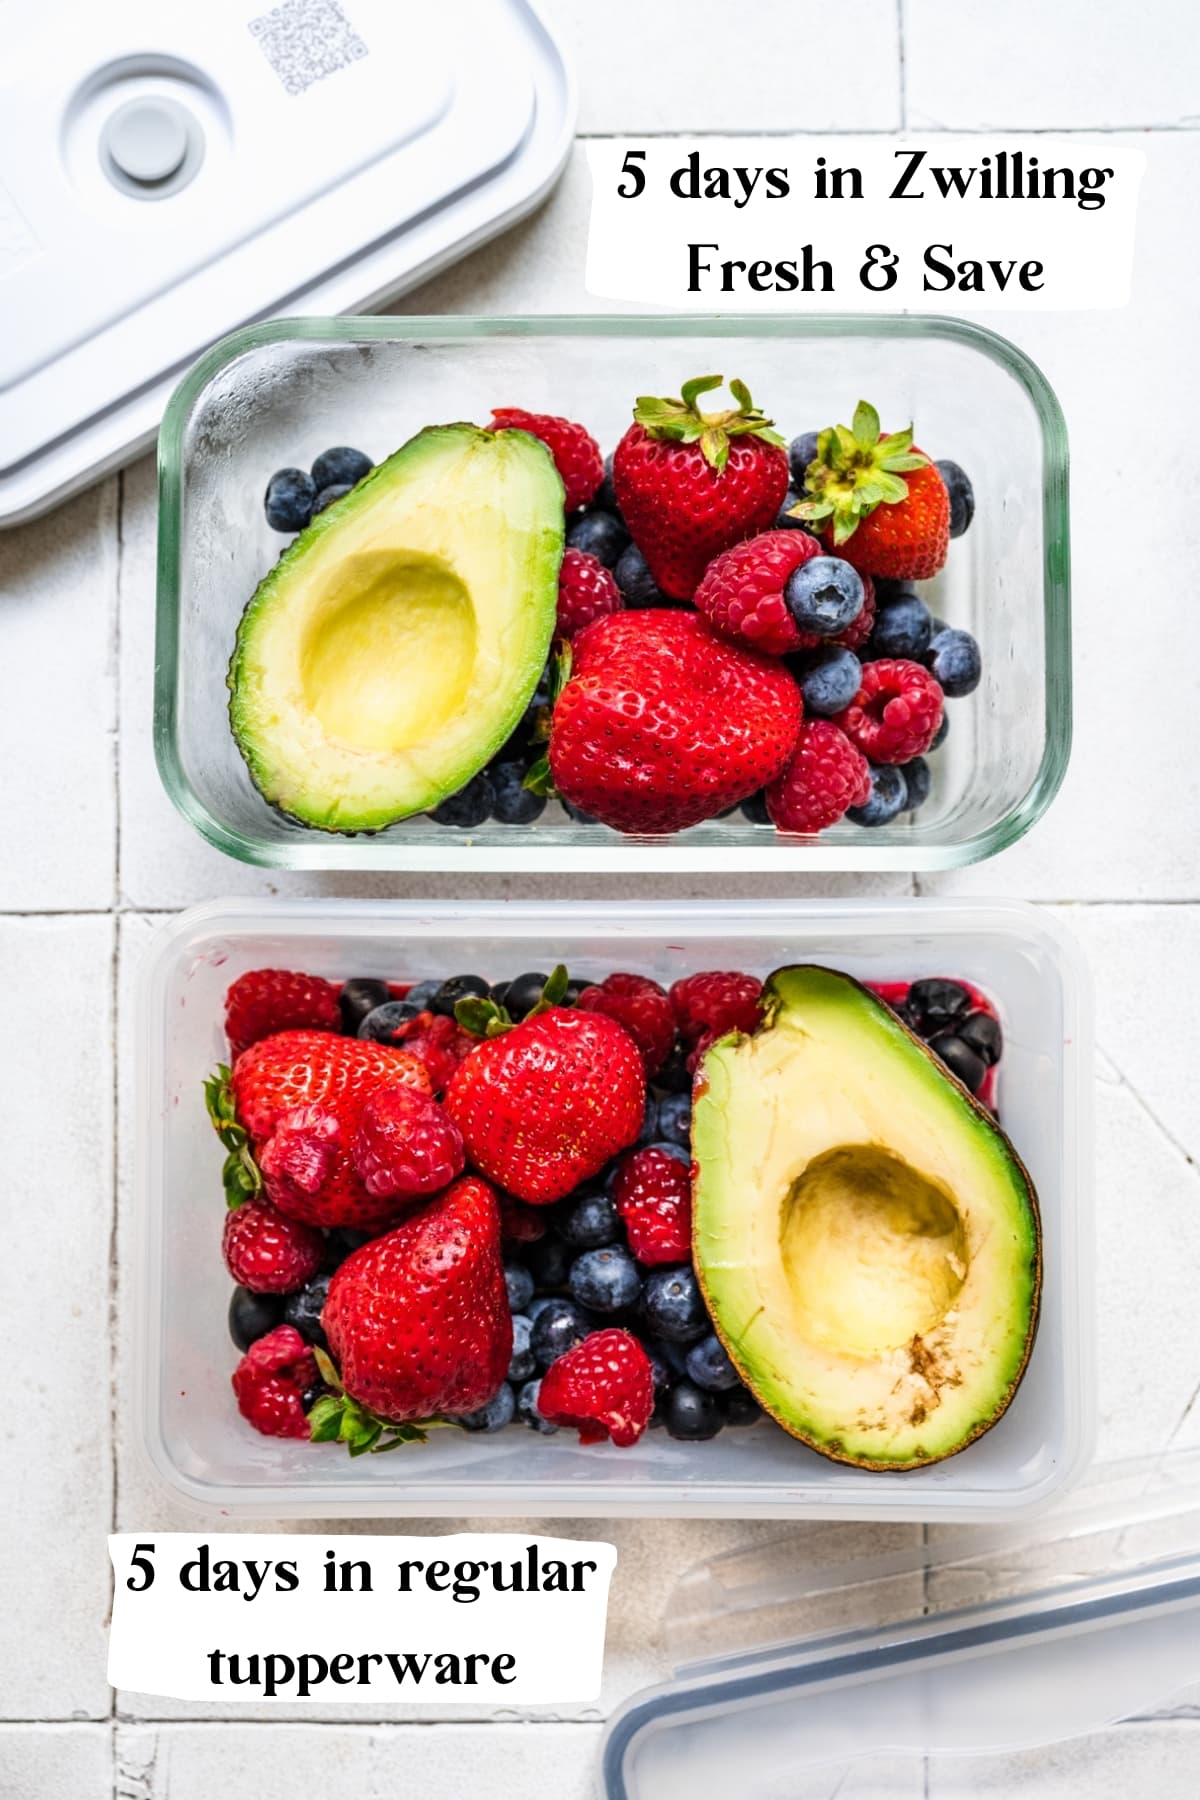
[866,1237]
[396,644]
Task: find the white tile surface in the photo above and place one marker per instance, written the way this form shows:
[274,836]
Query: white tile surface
[54,1443]
[1074,65]
[56,1762]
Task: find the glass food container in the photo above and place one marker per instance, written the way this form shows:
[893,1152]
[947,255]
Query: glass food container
[188,1422]
[276,394]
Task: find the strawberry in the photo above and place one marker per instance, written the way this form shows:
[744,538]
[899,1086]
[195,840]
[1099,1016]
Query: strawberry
[264,1001]
[268,1253]
[653,1195]
[417,1322]
[663,724]
[604,1387]
[878,501]
[288,1117]
[575,451]
[642,1007]
[546,1103]
[690,484]
[270,1381]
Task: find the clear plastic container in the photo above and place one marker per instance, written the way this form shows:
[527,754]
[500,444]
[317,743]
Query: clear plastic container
[188,1422]
[984,1663]
[277,394]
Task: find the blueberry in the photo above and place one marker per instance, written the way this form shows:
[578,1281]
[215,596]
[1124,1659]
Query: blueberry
[708,1365]
[327,495]
[303,1309]
[605,497]
[455,988]
[519,1283]
[673,1306]
[524,993]
[538,1306]
[954,658]
[522,1365]
[606,1280]
[421,993]
[675,1077]
[740,1407]
[824,595]
[662,1370]
[549,1262]
[358,997]
[311,1395]
[830,682]
[982,1034]
[495,1415]
[340,467]
[960,1059]
[251,1316]
[691,1414]
[576,812]
[783,518]
[557,1329]
[498,992]
[572,992]
[755,809]
[528,1410]
[384,1024]
[635,581]
[649,1131]
[470,807]
[675,1118]
[962,496]
[514,803]
[934,1004]
[939,736]
[903,628]
[918,779]
[889,791]
[589,1221]
[801,451]
[601,534]
[519,745]
[289,500]
[344,1242]
[674,1355]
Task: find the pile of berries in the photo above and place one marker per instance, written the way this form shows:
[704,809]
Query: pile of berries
[739,628]
[472,1201]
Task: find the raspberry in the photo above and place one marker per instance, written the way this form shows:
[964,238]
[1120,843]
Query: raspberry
[826,776]
[604,1387]
[268,1253]
[439,1045]
[716,1001]
[299,1156]
[586,591]
[896,713]
[741,591]
[856,635]
[270,1382]
[264,1001]
[575,451]
[643,1008]
[406,1145]
[520,1224]
[653,1194]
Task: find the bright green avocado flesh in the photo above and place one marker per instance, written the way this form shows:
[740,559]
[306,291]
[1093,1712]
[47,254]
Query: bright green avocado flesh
[395,645]
[867,1240]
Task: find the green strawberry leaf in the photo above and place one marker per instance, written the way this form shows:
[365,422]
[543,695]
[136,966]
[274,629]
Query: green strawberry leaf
[691,390]
[328,1368]
[682,421]
[539,779]
[865,424]
[338,1418]
[561,673]
[482,1017]
[324,1421]
[241,1176]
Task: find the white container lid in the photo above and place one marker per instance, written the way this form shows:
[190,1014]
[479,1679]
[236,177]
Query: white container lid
[806,1675]
[167,174]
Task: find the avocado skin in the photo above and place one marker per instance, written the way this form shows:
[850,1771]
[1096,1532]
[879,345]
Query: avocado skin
[781,992]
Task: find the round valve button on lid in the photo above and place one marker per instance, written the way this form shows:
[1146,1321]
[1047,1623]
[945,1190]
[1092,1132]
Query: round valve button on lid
[151,146]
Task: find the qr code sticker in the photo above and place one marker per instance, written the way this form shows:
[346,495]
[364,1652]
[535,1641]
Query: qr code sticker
[305,40]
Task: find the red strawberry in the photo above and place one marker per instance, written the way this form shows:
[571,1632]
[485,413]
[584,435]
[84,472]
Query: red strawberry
[418,1320]
[289,1115]
[877,501]
[604,1387]
[406,1144]
[642,1007]
[662,724]
[268,1253]
[575,451]
[689,483]
[715,1001]
[270,1381]
[653,1194]
[264,1001]
[548,1102]
[826,776]
[586,591]
[741,592]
